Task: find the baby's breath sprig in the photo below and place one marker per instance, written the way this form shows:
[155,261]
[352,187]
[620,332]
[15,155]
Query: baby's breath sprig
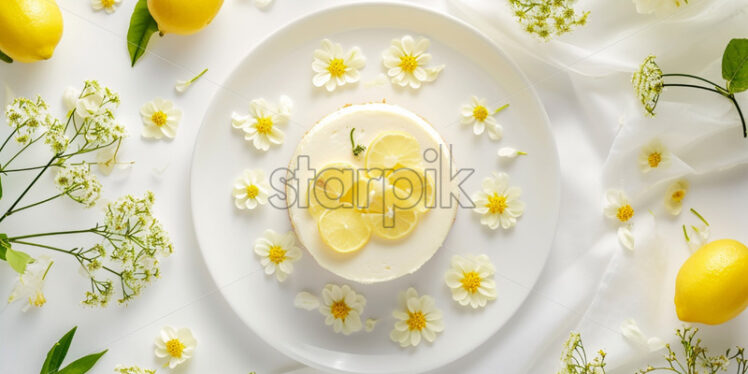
[548,18]
[695,357]
[574,358]
[649,80]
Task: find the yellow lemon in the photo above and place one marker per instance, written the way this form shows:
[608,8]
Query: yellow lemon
[344,230]
[183,17]
[712,285]
[416,185]
[29,29]
[330,184]
[393,224]
[392,150]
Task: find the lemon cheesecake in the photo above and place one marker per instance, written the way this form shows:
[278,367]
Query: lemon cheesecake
[371,198]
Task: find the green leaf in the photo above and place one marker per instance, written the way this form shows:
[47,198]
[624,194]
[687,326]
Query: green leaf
[83,364]
[1,189]
[17,259]
[4,245]
[735,65]
[57,354]
[5,57]
[142,27]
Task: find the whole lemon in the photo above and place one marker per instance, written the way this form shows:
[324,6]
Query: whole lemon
[183,17]
[29,29]
[712,285]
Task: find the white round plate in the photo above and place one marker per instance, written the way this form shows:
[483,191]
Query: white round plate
[282,66]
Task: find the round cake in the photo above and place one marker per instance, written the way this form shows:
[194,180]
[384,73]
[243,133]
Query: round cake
[374,200]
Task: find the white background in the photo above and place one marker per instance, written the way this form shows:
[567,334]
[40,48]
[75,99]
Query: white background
[93,47]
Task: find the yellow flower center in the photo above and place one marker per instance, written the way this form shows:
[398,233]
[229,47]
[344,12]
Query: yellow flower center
[276,254]
[496,204]
[480,113]
[471,281]
[337,67]
[174,347]
[107,3]
[159,118]
[340,309]
[654,159]
[625,213]
[416,321]
[252,191]
[38,299]
[264,125]
[408,63]
[678,195]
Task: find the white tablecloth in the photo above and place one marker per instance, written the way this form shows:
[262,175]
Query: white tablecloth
[587,278]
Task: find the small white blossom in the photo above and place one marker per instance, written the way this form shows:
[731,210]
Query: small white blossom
[262,4]
[30,284]
[307,301]
[654,155]
[342,308]
[78,183]
[477,114]
[674,196]
[29,118]
[108,6]
[277,253]
[498,203]
[407,60]
[697,236]
[107,161]
[370,324]
[160,118]
[546,18]
[334,67]
[182,86]
[251,189]
[617,207]
[508,152]
[176,345]
[471,280]
[417,317]
[631,331]
[261,125]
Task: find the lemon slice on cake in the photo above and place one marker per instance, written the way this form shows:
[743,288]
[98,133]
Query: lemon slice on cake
[392,150]
[344,230]
[416,185]
[330,184]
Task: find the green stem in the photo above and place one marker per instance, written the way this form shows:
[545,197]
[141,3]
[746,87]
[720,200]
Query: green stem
[70,232]
[35,204]
[21,151]
[18,200]
[8,138]
[692,86]
[70,252]
[720,91]
[740,113]
[33,168]
[695,77]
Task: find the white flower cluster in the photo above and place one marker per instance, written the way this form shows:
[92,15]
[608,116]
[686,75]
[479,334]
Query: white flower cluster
[29,118]
[78,183]
[95,106]
[574,359]
[136,241]
[648,84]
[546,18]
[132,370]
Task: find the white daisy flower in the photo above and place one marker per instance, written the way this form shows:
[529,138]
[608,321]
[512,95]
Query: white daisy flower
[477,114]
[333,67]
[251,189]
[617,207]
[418,317]
[307,301]
[658,6]
[471,280]
[278,252]
[160,118]
[182,86]
[261,125]
[406,62]
[498,203]
[674,196]
[177,346]
[342,308]
[109,6]
[631,331]
[653,155]
[509,152]
[30,284]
